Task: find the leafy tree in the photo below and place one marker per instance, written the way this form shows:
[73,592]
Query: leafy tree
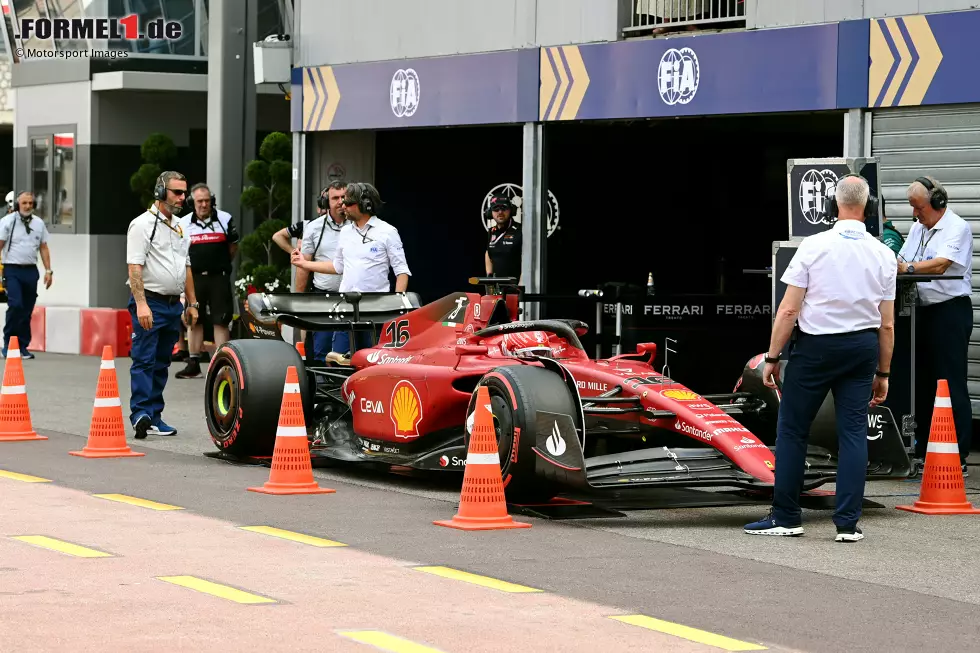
[158,152]
[271,175]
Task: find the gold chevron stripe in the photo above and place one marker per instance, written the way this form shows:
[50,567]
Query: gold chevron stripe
[562,84]
[310,103]
[549,83]
[579,83]
[333,97]
[904,61]
[881,63]
[930,56]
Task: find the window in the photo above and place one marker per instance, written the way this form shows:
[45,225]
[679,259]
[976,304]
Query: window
[52,177]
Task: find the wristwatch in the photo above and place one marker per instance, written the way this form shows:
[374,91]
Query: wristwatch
[772,360]
[49,272]
[194,305]
[910,269]
[883,375]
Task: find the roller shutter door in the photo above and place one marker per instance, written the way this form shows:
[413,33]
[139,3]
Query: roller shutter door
[943,142]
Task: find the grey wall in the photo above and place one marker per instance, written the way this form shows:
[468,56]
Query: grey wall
[345,31]
[353,151]
[780,13]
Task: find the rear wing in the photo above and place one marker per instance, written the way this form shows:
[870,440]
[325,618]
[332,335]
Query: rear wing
[328,311]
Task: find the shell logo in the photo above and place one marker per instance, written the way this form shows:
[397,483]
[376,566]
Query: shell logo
[406,410]
[680,395]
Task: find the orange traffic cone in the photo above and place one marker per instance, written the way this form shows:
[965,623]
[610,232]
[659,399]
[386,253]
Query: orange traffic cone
[106,434]
[292,470]
[943,491]
[15,412]
[482,506]
[301,348]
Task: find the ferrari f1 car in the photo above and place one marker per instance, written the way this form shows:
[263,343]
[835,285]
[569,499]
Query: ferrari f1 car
[563,421]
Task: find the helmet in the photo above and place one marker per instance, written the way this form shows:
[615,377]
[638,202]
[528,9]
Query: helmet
[525,344]
[10,201]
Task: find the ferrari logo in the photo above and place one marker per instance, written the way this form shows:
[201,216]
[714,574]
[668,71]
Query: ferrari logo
[770,465]
[681,395]
[406,410]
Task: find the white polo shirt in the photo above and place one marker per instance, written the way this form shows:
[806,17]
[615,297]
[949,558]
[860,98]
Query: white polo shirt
[166,258]
[847,273]
[326,227]
[950,239]
[364,255]
[20,247]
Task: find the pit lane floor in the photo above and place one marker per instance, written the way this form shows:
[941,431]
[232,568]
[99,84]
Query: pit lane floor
[911,585]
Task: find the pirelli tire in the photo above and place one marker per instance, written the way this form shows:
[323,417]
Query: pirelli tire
[517,393]
[243,394]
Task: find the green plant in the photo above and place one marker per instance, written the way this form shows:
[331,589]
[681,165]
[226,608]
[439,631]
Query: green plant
[271,176]
[158,152]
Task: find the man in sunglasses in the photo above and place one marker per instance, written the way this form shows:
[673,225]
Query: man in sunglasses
[366,248]
[158,255]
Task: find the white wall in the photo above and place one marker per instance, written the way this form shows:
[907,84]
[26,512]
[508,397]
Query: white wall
[71,263]
[781,13]
[128,117]
[52,104]
[345,31]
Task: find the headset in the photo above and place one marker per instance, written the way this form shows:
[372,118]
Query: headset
[361,191]
[938,199]
[870,207]
[488,214]
[322,200]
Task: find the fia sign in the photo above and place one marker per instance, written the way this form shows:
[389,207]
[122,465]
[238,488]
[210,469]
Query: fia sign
[812,185]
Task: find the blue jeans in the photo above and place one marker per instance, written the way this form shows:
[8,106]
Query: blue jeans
[321,344]
[341,341]
[21,286]
[844,364]
[151,357]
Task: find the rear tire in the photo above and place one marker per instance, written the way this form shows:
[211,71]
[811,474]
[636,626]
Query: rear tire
[532,389]
[243,394]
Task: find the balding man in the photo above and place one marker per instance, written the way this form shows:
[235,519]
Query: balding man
[840,288]
[23,236]
[940,242]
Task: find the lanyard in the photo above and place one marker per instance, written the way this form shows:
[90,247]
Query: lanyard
[494,241]
[179,231]
[921,249]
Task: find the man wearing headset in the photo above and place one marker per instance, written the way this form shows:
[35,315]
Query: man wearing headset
[285,236]
[840,292]
[320,239]
[159,271]
[503,255]
[214,243]
[23,236]
[940,242]
[367,247]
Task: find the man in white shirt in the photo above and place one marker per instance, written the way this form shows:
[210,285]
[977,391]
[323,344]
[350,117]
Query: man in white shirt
[157,252]
[321,237]
[940,242]
[23,236]
[367,247]
[840,288]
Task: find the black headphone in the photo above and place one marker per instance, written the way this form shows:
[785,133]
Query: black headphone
[870,207]
[189,199]
[322,201]
[938,199]
[364,201]
[488,214]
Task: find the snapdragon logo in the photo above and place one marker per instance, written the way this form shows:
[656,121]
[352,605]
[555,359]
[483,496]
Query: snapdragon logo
[691,430]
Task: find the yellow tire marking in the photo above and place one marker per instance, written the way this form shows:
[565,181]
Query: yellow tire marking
[290,535]
[686,632]
[26,478]
[385,642]
[216,589]
[485,581]
[134,501]
[61,546]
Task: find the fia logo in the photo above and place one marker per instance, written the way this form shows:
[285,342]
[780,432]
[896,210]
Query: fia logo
[516,194]
[678,76]
[405,93]
[816,189]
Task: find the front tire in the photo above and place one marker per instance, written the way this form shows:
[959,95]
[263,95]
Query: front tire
[517,393]
[243,394]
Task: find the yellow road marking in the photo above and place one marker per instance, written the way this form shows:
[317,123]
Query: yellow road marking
[686,632]
[26,478]
[215,589]
[134,501]
[290,535]
[485,581]
[386,642]
[62,547]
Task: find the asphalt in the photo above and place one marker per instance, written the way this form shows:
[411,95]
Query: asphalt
[912,584]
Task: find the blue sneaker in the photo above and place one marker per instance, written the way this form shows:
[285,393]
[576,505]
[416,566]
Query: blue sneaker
[141,426]
[26,354]
[159,427]
[768,526]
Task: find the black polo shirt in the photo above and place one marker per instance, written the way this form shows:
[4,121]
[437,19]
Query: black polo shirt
[504,247]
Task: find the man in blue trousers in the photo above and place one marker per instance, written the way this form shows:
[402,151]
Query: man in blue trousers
[157,252]
[23,236]
[840,287]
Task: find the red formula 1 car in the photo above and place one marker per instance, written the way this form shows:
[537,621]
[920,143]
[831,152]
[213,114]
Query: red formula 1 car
[563,421]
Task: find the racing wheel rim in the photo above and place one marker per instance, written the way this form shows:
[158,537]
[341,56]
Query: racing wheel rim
[223,404]
[503,425]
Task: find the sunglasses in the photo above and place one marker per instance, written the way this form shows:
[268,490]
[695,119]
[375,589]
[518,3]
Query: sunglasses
[178,191]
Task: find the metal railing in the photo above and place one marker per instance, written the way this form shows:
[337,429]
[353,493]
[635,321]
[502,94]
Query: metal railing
[659,16]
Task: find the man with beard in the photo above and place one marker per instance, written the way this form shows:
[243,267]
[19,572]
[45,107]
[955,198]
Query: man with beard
[503,255]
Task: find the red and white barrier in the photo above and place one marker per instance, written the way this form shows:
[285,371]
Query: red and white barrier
[74,330]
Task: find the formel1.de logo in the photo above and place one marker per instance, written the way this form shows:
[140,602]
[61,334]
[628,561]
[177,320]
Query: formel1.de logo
[101,29]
